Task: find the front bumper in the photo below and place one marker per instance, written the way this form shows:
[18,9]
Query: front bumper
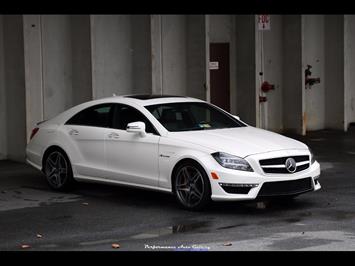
[252,182]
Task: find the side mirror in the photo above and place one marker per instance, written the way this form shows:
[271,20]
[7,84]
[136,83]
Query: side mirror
[237,117]
[136,127]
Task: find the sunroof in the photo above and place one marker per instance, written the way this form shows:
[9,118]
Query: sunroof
[151,96]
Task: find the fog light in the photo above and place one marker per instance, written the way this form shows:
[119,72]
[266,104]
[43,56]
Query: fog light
[238,185]
[237,188]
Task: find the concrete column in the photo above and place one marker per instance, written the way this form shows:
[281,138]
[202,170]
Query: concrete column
[272,53]
[81,59]
[233,66]
[349,70]
[3,104]
[111,55]
[142,54]
[314,55]
[334,71]
[32,35]
[260,108]
[156,46]
[196,54]
[57,64]
[207,57]
[246,73]
[293,77]
[14,73]
[174,59]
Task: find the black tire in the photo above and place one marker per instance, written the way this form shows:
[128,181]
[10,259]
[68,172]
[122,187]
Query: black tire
[58,170]
[191,186]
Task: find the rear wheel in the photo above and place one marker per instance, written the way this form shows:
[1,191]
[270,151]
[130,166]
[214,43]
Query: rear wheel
[58,170]
[191,186]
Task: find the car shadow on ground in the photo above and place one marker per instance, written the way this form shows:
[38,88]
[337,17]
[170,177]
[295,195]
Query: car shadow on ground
[166,202]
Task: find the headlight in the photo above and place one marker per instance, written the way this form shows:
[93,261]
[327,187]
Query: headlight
[232,162]
[312,156]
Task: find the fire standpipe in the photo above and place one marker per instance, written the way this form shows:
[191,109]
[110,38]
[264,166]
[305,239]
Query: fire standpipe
[264,87]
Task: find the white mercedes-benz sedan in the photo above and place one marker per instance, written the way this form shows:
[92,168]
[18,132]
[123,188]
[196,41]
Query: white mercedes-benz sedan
[181,145]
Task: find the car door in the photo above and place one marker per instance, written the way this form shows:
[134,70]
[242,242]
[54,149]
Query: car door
[87,130]
[130,157]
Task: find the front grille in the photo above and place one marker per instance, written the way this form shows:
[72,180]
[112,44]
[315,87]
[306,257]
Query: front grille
[277,165]
[283,188]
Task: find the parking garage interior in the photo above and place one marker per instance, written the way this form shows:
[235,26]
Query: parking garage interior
[49,63]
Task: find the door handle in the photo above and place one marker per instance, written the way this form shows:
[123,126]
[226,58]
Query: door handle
[74,132]
[113,135]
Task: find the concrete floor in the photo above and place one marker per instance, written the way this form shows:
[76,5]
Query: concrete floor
[93,217]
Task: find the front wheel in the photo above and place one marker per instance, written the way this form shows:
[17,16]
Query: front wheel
[191,186]
[58,171]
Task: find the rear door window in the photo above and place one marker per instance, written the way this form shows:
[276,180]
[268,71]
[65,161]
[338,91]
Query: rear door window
[95,116]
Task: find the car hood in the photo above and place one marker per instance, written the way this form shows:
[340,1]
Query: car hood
[241,141]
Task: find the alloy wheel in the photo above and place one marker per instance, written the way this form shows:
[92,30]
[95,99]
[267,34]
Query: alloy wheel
[189,186]
[56,169]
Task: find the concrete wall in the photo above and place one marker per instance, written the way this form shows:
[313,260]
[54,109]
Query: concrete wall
[273,73]
[174,60]
[121,54]
[3,131]
[57,64]
[221,28]
[66,57]
[196,55]
[33,70]
[111,55]
[81,59]
[50,63]
[334,71]
[141,46]
[15,86]
[246,96]
[349,69]
[156,53]
[293,80]
[178,55]
[314,56]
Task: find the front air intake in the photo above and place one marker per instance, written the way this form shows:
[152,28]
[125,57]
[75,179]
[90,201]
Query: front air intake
[284,188]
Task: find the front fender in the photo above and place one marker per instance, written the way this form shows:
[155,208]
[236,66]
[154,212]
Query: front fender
[171,152]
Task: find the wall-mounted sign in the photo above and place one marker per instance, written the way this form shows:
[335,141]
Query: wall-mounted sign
[214,65]
[264,22]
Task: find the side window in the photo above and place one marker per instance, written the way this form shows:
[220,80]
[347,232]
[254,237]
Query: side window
[126,114]
[174,118]
[95,116]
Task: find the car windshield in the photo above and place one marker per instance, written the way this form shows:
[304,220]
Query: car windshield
[188,116]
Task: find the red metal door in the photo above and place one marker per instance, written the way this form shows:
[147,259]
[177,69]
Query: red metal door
[219,75]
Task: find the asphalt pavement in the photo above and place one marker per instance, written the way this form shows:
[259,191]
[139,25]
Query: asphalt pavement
[114,218]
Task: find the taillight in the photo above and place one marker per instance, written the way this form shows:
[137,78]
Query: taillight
[34,131]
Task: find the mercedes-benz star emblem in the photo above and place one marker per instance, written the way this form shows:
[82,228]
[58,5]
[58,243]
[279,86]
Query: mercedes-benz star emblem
[290,165]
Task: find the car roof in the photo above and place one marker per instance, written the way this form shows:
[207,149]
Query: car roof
[135,100]
[150,99]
